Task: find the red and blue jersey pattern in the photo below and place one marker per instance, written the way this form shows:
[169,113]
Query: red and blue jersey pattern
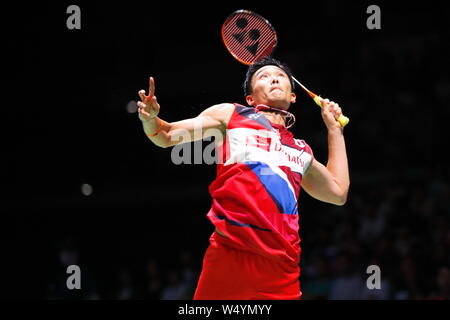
[255,193]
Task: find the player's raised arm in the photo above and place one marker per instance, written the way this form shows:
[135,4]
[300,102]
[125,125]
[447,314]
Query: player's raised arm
[330,183]
[165,134]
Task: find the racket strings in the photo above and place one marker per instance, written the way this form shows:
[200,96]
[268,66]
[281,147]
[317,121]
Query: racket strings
[250,41]
[249,53]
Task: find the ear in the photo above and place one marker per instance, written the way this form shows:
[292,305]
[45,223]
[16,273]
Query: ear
[293,97]
[250,100]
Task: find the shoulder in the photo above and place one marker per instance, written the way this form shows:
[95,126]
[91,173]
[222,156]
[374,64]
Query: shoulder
[307,154]
[219,108]
[221,111]
[305,146]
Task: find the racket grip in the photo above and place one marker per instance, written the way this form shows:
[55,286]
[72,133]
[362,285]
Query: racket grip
[343,120]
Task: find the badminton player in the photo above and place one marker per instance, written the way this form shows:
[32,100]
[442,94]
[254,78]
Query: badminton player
[254,252]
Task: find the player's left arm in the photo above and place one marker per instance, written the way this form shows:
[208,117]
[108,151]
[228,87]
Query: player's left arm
[330,183]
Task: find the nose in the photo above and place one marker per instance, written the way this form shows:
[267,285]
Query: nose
[274,80]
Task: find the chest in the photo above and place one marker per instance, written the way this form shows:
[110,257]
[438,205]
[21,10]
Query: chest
[265,146]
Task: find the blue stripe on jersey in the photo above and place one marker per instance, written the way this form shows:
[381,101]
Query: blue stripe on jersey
[239,224]
[275,186]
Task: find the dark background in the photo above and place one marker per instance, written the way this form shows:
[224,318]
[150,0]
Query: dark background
[142,232]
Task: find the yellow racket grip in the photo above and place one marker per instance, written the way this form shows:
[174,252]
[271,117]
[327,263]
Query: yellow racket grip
[343,120]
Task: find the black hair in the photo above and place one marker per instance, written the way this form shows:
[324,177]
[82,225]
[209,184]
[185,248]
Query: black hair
[268,61]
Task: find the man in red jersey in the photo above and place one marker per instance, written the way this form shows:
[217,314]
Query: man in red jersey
[254,252]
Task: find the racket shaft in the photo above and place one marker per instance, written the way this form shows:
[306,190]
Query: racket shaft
[343,120]
[303,87]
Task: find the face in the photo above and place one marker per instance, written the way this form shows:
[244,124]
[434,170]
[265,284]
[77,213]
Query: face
[271,86]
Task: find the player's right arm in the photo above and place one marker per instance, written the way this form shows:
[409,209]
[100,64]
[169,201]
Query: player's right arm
[165,134]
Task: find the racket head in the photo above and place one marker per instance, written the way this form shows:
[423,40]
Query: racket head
[248,36]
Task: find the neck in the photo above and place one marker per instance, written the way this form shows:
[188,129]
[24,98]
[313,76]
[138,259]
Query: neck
[277,116]
[274,117]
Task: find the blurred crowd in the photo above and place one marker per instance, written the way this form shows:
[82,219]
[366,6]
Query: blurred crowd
[402,229]
[149,281]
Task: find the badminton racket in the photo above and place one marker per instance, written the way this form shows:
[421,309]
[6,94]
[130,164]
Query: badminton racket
[249,38]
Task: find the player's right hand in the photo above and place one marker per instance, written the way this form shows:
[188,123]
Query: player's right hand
[148,107]
[330,113]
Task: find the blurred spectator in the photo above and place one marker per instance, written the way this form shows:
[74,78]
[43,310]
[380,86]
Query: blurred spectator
[317,283]
[176,288]
[441,288]
[346,283]
[153,280]
[188,273]
[57,289]
[406,281]
[372,223]
[126,290]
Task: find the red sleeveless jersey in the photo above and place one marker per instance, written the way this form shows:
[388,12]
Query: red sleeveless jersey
[255,194]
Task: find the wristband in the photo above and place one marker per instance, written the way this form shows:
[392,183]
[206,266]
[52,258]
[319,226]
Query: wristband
[160,127]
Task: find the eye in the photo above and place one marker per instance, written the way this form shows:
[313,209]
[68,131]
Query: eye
[264,75]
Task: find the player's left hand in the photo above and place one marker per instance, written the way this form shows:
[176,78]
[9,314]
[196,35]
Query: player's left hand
[330,113]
